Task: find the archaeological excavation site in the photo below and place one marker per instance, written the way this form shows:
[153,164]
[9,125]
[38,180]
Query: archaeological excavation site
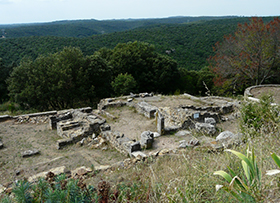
[119,134]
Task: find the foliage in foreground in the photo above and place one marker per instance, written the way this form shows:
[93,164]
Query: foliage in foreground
[247,187]
[260,118]
[61,190]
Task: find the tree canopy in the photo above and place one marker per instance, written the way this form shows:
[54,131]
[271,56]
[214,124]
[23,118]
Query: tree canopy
[68,79]
[250,56]
[56,81]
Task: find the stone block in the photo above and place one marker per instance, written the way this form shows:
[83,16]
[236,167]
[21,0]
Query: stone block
[160,122]
[146,109]
[64,142]
[147,139]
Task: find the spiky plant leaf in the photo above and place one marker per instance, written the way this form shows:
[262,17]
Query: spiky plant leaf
[224,174]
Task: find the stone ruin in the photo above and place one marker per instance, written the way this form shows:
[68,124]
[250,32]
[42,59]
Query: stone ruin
[78,125]
[75,126]
[86,125]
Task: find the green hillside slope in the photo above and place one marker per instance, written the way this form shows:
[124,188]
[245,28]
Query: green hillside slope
[85,28]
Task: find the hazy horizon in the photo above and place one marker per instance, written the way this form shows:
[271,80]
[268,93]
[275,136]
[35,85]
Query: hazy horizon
[43,11]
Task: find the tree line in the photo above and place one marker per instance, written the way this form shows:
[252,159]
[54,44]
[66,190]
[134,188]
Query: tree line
[68,78]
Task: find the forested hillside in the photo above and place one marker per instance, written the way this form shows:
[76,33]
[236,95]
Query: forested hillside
[190,44]
[85,28]
[181,47]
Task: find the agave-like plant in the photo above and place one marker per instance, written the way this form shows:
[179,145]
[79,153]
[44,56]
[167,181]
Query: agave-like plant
[276,159]
[248,185]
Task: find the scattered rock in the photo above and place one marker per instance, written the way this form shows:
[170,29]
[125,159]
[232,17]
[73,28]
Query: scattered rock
[138,153]
[205,128]
[55,171]
[209,144]
[228,139]
[164,151]
[29,153]
[210,120]
[190,143]
[156,134]
[183,133]
[81,171]
[2,189]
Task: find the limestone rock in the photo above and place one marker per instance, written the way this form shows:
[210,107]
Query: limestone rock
[209,144]
[156,134]
[205,128]
[81,171]
[56,171]
[183,133]
[190,143]
[2,189]
[105,127]
[138,153]
[29,153]
[210,120]
[224,135]
[60,117]
[147,139]
[164,151]
[228,139]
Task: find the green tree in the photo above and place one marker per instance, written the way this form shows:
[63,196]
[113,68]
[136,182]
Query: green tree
[123,84]
[152,71]
[4,73]
[54,81]
[250,56]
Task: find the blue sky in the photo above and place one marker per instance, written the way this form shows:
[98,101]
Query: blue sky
[27,11]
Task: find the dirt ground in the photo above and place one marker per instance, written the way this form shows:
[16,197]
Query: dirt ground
[275,91]
[21,137]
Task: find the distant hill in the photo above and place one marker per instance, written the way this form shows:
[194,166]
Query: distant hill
[189,43]
[85,28]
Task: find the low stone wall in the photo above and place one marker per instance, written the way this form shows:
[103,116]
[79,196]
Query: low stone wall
[26,117]
[121,143]
[247,92]
[146,109]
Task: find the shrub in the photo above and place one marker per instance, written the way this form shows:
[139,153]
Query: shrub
[247,187]
[262,117]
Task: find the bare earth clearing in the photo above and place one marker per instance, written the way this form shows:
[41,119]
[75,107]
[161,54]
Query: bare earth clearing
[21,137]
